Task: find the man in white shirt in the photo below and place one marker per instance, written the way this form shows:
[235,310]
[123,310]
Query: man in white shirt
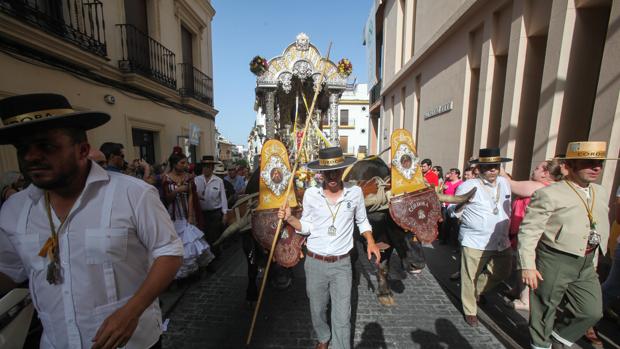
[329,214]
[485,256]
[237,181]
[97,246]
[212,197]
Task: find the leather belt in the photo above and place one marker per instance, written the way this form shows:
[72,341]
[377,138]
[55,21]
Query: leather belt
[328,259]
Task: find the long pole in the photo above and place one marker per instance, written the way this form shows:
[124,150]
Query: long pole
[288,191]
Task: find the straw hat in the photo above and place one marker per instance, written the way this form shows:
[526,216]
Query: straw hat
[219,169]
[586,150]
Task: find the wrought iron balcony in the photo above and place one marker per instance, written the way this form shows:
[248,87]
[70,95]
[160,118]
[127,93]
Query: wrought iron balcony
[80,22]
[375,92]
[195,83]
[143,55]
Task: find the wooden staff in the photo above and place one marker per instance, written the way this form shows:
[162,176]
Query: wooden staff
[288,190]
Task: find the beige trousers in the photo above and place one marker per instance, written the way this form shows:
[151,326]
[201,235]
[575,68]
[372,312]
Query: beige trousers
[481,271]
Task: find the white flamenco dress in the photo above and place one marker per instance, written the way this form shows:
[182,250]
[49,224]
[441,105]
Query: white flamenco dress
[197,251]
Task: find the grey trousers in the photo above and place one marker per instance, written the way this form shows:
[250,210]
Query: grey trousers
[325,281]
[565,277]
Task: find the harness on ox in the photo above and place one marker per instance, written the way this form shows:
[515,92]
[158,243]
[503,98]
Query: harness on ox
[275,172]
[413,206]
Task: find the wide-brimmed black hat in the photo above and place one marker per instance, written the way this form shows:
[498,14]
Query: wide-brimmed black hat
[24,114]
[331,159]
[489,156]
[208,159]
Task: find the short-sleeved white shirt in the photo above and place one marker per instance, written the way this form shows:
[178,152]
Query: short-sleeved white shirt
[107,246]
[480,227]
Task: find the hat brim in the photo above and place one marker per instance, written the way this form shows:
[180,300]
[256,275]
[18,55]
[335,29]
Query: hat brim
[583,158]
[316,165]
[478,162]
[81,120]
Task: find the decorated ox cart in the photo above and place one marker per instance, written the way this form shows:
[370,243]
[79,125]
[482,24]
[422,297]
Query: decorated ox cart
[294,135]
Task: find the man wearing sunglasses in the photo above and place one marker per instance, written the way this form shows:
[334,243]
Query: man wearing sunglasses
[485,253]
[565,225]
[115,156]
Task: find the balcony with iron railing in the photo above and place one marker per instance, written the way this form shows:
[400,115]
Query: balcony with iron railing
[144,55]
[196,84]
[375,93]
[80,22]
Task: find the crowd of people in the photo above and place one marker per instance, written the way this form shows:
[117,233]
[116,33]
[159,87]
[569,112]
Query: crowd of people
[532,229]
[99,239]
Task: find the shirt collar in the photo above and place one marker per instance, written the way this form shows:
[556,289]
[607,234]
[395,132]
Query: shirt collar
[346,189]
[487,183]
[96,174]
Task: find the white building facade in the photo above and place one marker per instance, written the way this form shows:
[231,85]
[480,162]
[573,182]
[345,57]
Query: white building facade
[352,119]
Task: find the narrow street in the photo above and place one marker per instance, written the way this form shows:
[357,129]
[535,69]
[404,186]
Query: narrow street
[212,313]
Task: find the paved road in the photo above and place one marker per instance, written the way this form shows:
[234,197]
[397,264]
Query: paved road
[508,324]
[212,313]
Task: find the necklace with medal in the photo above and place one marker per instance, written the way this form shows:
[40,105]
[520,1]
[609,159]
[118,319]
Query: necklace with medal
[494,199]
[331,231]
[50,249]
[594,239]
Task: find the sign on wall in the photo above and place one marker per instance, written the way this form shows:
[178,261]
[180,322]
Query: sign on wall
[194,134]
[438,110]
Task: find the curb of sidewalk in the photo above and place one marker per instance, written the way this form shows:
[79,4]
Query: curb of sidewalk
[486,320]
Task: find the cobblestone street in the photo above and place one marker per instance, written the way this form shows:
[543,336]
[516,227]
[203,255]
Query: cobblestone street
[213,313]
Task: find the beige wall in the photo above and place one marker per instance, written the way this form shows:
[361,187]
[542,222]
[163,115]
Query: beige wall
[430,16]
[525,75]
[128,111]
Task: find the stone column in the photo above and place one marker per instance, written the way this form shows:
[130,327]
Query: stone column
[270,122]
[333,118]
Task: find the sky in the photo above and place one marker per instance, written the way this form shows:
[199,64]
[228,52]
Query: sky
[243,29]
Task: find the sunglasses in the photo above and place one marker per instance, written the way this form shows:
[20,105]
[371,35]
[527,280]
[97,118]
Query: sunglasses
[484,168]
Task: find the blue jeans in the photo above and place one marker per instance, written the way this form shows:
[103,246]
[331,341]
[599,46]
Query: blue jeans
[330,281]
[611,286]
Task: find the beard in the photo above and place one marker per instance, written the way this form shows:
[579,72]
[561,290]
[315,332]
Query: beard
[55,178]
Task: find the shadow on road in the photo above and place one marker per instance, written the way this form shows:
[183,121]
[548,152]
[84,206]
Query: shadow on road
[447,336]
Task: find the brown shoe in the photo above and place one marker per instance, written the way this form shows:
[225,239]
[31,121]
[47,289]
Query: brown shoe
[472,320]
[593,338]
[320,345]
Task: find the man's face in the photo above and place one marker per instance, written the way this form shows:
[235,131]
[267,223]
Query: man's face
[453,176]
[117,160]
[425,168]
[586,170]
[207,170]
[489,172]
[333,179]
[232,173]
[468,175]
[51,159]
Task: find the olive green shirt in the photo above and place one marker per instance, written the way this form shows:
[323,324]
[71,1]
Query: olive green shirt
[557,217]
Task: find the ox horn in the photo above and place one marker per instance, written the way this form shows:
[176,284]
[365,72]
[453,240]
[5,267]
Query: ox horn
[457,199]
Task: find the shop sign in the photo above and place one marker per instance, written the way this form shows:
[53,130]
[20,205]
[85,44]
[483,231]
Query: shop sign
[444,108]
